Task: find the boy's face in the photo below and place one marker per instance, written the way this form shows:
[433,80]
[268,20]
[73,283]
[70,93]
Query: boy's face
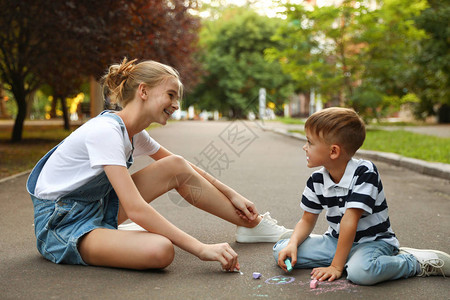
[317,150]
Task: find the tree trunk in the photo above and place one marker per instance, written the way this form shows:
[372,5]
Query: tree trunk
[3,112]
[21,96]
[53,108]
[29,99]
[65,113]
[20,119]
[97,104]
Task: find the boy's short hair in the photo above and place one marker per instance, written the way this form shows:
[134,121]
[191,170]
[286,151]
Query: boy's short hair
[338,125]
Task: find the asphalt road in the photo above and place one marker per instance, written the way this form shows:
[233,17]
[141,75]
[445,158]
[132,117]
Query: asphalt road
[267,168]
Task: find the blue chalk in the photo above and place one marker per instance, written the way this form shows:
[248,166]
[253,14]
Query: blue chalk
[288,264]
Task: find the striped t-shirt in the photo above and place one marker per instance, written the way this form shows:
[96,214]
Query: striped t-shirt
[360,187]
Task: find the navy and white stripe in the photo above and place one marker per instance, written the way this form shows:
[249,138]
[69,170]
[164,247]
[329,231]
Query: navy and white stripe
[360,187]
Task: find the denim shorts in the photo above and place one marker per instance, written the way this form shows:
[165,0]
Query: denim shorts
[59,224]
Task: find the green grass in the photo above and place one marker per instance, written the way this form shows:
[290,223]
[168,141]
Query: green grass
[399,124]
[290,120]
[409,144]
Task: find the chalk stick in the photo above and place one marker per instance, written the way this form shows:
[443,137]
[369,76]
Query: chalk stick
[256,275]
[288,264]
[314,283]
[238,271]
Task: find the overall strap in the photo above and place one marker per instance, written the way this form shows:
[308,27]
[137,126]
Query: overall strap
[109,113]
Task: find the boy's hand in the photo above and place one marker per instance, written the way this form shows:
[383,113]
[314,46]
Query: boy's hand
[290,251]
[331,273]
[348,226]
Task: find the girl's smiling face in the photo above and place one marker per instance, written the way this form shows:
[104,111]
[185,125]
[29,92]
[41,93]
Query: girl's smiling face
[164,100]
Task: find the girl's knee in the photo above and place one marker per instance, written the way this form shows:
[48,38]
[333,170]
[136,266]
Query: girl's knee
[178,169]
[176,162]
[159,254]
[165,254]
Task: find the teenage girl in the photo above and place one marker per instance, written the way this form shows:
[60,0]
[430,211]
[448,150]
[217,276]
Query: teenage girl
[82,190]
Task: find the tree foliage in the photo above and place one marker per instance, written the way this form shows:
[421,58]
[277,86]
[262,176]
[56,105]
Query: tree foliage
[232,54]
[165,31]
[392,40]
[22,42]
[431,82]
[60,43]
[358,55]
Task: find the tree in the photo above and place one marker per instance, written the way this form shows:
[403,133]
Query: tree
[166,31]
[62,42]
[103,28]
[357,54]
[232,54]
[317,49]
[388,60]
[431,82]
[39,40]
[22,42]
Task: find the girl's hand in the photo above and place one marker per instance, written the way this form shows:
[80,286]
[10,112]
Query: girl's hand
[222,253]
[244,208]
[331,273]
[290,251]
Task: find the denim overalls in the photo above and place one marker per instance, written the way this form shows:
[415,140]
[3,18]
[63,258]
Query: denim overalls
[60,223]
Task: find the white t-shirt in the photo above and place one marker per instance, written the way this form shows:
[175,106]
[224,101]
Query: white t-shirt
[82,155]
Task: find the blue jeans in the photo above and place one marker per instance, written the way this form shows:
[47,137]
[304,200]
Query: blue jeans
[367,264]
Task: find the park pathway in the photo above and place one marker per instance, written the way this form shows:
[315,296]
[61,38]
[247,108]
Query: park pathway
[268,168]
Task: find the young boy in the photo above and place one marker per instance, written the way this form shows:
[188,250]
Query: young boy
[359,238]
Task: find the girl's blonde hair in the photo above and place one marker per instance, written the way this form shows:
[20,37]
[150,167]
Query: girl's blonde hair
[122,80]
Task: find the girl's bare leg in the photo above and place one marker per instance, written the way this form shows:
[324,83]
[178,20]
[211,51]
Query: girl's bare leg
[175,172]
[126,249]
[144,250]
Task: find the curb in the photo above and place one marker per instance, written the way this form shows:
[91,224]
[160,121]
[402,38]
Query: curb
[434,169]
[14,176]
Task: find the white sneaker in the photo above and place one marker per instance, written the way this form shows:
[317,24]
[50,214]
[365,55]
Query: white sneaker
[432,262]
[267,231]
[130,226]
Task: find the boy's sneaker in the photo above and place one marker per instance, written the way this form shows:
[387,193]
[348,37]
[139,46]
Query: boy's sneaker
[432,262]
[267,231]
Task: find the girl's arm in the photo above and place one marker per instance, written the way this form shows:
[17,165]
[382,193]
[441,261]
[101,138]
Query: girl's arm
[301,231]
[347,233]
[244,208]
[143,214]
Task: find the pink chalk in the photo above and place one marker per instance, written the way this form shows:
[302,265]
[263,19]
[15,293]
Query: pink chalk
[314,283]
